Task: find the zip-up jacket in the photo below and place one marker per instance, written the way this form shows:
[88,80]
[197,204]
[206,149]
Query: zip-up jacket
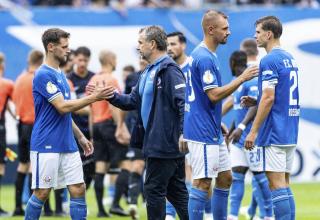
[160,139]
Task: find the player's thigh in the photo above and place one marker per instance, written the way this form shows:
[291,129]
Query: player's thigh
[204,160]
[100,141]
[224,177]
[70,170]
[254,159]
[3,144]
[24,143]
[274,159]
[238,156]
[44,168]
[290,152]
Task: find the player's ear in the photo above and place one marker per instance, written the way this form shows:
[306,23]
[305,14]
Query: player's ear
[50,47]
[153,44]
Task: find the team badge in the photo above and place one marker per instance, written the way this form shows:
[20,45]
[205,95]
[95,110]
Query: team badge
[152,74]
[51,88]
[208,77]
[47,179]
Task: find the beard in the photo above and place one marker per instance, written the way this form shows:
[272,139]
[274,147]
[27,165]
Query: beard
[61,59]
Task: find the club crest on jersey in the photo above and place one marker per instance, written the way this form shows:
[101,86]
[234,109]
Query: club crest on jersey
[47,179]
[208,77]
[51,88]
[152,74]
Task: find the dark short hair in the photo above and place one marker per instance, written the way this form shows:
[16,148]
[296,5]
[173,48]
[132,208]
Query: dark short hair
[35,57]
[53,35]
[157,34]
[271,23]
[238,62]
[181,37]
[250,47]
[129,68]
[85,51]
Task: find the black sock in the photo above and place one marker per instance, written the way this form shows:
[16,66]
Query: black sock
[98,187]
[0,188]
[30,184]
[19,189]
[46,206]
[120,187]
[134,187]
[58,199]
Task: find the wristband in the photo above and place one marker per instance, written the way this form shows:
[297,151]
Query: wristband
[241,126]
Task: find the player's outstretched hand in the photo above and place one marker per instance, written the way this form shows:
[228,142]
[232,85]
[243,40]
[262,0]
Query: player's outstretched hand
[100,92]
[250,72]
[250,139]
[183,146]
[235,135]
[86,146]
[247,101]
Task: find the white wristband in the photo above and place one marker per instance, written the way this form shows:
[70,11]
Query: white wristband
[241,126]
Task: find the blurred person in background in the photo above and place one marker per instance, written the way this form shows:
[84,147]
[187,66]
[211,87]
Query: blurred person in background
[6,90]
[108,137]
[134,154]
[80,77]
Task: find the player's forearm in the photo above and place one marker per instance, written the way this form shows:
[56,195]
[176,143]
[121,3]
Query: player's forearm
[263,111]
[227,105]
[252,111]
[219,93]
[76,104]
[76,131]
[117,115]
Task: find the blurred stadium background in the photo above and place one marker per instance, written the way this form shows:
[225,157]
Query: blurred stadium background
[114,25]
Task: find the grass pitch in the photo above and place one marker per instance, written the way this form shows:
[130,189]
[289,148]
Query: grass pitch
[307,203]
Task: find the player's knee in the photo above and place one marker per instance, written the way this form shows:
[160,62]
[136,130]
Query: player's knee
[77,190]
[224,180]
[240,169]
[23,167]
[202,184]
[42,194]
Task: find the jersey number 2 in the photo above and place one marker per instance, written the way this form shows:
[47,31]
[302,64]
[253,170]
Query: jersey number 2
[293,87]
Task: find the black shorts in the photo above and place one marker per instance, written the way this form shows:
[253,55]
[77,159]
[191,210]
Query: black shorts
[135,154]
[106,147]
[3,143]
[24,133]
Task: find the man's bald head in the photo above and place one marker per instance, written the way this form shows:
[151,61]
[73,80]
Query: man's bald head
[210,19]
[107,57]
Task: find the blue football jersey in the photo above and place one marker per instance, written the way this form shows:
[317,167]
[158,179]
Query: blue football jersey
[280,128]
[202,118]
[185,67]
[248,88]
[52,132]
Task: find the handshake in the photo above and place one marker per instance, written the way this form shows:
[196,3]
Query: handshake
[100,92]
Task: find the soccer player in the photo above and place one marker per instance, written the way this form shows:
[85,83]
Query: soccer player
[80,77]
[275,127]
[6,90]
[159,99]
[242,160]
[259,197]
[106,121]
[209,157]
[176,50]
[23,100]
[54,155]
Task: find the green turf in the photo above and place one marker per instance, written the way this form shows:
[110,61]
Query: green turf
[307,202]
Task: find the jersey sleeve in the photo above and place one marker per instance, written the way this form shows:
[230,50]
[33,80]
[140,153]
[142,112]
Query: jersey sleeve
[269,76]
[46,84]
[208,73]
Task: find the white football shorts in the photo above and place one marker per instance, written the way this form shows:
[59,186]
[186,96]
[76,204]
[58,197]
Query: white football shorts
[55,170]
[208,160]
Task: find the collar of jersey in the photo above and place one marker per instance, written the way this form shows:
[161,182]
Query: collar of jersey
[56,70]
[202,44]
[185,63]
